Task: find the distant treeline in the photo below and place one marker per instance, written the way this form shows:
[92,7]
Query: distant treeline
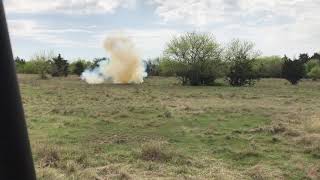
[45,63]
[198,59]
[261,67]
[195,59]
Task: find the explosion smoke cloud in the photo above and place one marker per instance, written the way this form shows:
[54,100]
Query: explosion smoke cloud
[124,66]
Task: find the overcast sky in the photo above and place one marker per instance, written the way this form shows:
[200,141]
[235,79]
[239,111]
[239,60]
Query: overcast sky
[76,28]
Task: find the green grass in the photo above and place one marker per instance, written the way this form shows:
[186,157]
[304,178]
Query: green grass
[160,129]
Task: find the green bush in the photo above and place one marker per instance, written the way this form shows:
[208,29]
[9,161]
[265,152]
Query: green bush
[316,56]
[311,64]
[304,57]
[59,66]
[293,70]
[314,73]
[20,63]
[39,64]
[194,58]
[166,67]
[240,56]
[29,68]
[77,67]
[153,67]
[313,69]
[268,67]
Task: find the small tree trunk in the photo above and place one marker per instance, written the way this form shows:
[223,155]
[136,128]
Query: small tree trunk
[43,75]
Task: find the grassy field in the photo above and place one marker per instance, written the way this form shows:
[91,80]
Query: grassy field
[162,130]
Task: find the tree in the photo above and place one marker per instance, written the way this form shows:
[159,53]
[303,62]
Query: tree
[268,67]
[78,67]
[153,67]
[20,64]
[18,60]
[40,63]
[195,58]
[314,73]
[97,61]
[59,66]
[293,70]
[316,56]
[166,67]
[313,69]
[311,64]
[240,56]
[304,57]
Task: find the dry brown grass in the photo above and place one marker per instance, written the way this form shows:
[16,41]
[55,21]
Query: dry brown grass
[313,124]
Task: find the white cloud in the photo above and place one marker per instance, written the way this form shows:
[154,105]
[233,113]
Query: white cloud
[67,6]
[149,42]
[204,12]
[31,30]
[276,26]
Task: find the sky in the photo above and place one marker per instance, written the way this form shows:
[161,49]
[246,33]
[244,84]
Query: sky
[77,28]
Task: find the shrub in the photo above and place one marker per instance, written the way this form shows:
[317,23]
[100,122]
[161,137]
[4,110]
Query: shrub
[312,65]
[42,67]
[40,64]
[154,151]
[167,67]
[59,66]
[242,73]
[315,73]
[316,56]
[194,58]
[79,66]
[47,156]
[304,57]
[293,70]
[240,55]
[268,67]
[30,68]
[20,63]
[153,67]
[96,62]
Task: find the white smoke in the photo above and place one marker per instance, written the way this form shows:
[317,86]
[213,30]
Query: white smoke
[125,65]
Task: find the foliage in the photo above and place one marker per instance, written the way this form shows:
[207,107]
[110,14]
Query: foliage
[59,66]
[241,56]
[18,60]
[293,70]
[304,57]
[194,58]
[315,73]
[316,56]
[166,67]
[153,67]
[96,62]
[77,67]
[313,69]
[268,66]
[40,64]
[20,63]
[311,64]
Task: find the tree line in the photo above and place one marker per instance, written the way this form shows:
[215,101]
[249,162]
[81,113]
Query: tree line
[46,63]
[195,59]
[198,59]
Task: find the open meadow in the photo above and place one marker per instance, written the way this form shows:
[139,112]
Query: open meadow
[162,130]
